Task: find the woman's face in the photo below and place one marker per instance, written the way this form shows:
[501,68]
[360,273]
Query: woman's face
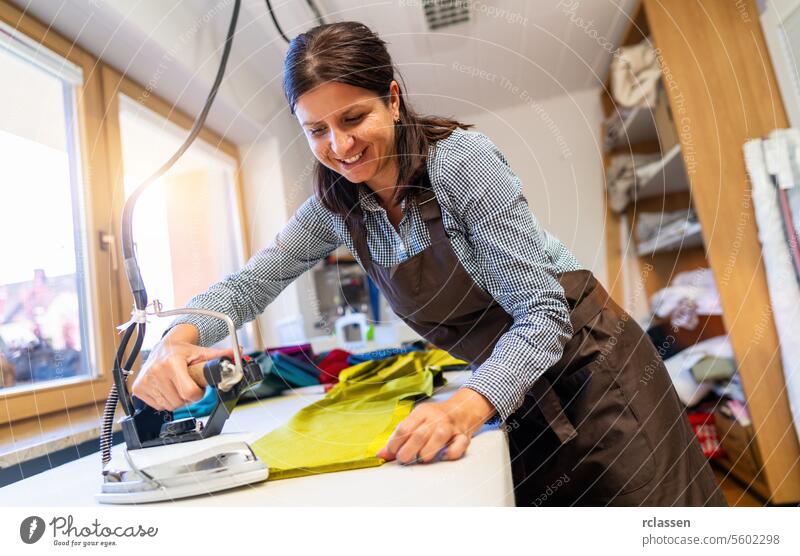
[350,130]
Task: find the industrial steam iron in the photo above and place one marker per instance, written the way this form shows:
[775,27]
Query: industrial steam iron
[164,458]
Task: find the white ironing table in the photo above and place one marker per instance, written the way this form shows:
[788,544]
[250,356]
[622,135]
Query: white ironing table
[481,478]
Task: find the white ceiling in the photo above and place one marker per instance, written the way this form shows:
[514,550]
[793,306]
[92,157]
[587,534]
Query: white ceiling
[173,47]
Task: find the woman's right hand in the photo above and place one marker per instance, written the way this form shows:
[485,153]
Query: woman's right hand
[164,383]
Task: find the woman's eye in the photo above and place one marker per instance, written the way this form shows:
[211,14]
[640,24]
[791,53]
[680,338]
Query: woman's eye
[315,131]
[354,119]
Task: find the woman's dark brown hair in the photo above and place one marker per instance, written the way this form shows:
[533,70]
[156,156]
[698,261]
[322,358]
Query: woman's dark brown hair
[349,52]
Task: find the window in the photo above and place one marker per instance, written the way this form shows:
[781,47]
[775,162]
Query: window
[186,227]
[44,307]
[64,124]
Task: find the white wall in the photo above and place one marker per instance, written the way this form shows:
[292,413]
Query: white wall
[554,147]
[277,179]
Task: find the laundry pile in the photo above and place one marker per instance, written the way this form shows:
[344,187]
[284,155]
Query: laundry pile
[624,174]
[614,127]
[705,367]
[635,72]
[689,295]
[354,420]
[659,231]
[368,394]
[688,334]
[634,78]
[288,367]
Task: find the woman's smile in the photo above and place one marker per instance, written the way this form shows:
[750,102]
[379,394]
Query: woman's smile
[353,161]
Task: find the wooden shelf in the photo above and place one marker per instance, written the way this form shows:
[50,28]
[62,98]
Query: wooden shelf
[670,177]
[707,103]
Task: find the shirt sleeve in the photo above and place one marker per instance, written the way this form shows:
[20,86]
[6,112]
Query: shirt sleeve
[509,247]
[307,238]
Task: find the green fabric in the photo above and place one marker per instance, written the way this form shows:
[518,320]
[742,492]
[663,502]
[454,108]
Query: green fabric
[712,369]
[354,420]
[281,372]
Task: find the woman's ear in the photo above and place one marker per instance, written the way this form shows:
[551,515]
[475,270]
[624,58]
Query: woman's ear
[394,100]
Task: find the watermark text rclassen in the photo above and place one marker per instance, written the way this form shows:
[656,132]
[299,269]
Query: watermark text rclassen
[655,522]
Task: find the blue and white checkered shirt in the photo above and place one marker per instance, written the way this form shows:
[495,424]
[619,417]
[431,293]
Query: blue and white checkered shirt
[493,232]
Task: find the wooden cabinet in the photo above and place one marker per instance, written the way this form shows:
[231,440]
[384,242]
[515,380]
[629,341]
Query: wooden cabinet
[722,91]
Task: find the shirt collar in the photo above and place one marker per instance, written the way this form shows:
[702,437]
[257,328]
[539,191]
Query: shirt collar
[367,200]
[369,203]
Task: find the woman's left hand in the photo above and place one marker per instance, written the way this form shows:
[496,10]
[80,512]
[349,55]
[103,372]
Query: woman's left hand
[433,426]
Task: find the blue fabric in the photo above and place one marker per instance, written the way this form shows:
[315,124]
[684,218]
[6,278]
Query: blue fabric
[379,354]
[296,372]
[200,408]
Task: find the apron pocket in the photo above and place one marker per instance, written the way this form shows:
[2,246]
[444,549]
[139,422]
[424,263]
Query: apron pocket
[623,452]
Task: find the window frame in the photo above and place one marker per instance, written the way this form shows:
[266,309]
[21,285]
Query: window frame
[23,403]
[115,84]
[98,133]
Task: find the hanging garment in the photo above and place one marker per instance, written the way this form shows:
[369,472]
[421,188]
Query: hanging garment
[784,292]
[606,414]
[782,156]
[789,231]
[346,429]
[793,194]
[634,75]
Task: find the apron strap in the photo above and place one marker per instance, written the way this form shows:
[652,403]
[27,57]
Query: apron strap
[550,406]
[585,298]
[359,236]
[431,214]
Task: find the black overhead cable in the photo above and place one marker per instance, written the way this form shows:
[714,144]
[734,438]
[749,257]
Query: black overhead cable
[314,9]
[311,5]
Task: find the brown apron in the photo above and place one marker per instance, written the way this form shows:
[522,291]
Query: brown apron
[603,426]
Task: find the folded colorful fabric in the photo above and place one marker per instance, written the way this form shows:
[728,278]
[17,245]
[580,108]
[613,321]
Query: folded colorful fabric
[354,420]
[281,371]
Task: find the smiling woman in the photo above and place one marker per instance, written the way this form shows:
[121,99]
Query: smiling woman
[339,82]
[435,216]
